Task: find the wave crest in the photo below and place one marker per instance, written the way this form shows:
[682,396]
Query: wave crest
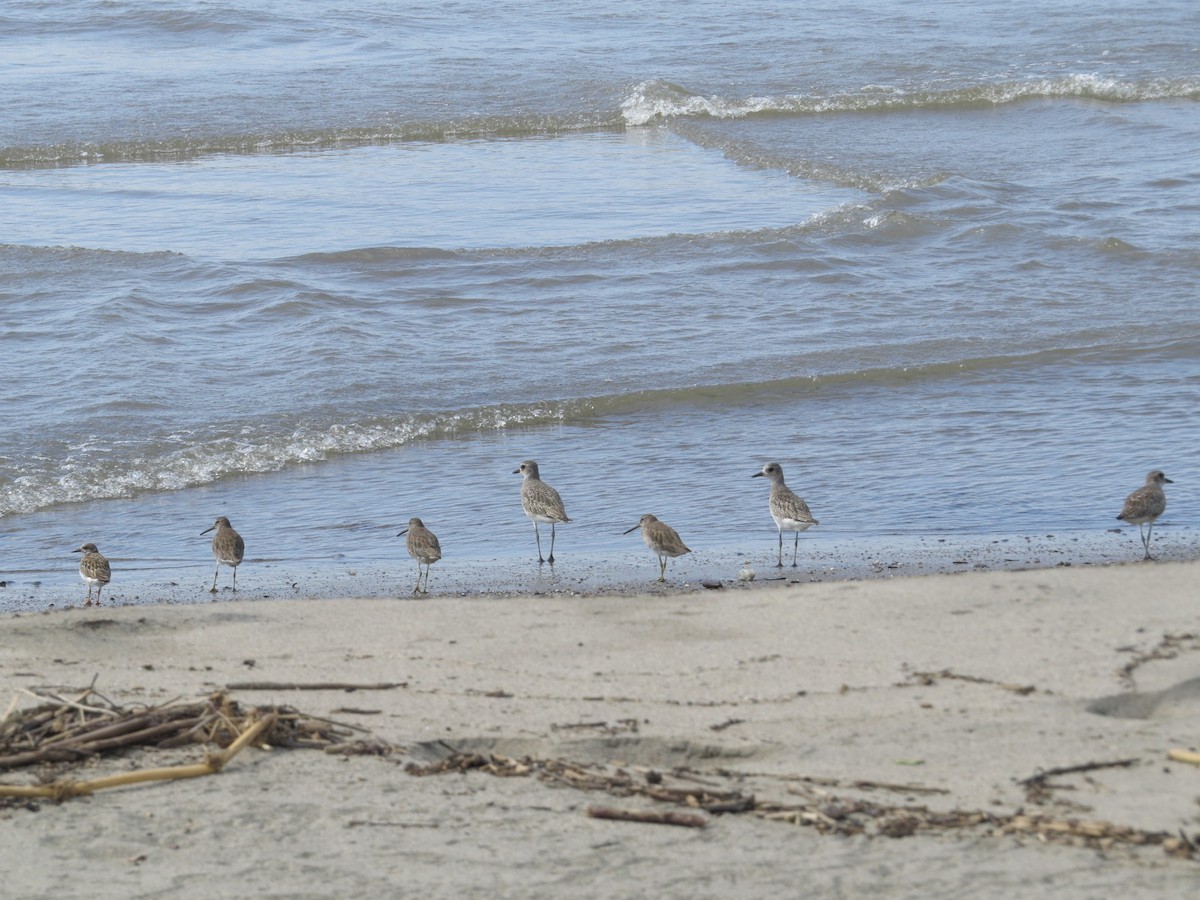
[654,101]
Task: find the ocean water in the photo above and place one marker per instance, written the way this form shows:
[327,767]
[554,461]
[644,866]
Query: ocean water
[321,267]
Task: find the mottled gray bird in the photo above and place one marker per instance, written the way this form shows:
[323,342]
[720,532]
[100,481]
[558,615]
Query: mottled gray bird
[1145,505]
[422,546]
[93,569]
[787,509]
[228,548]
[663,541]
[541,503]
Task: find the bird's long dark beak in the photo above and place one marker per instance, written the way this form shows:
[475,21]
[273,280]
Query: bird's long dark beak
[1167,480]
[516,471]
[208,529]
[77,550]
[403,533]
[634,528]
[757,475]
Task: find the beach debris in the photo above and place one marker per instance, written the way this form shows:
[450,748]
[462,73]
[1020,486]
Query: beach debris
[69,731]
[1041,777]
[728,723]
[924,679]
[746,573]
[1169,647]
[621,726]
[653,816]
[1038,787]
[313,686]
[1185,756]
[814,807]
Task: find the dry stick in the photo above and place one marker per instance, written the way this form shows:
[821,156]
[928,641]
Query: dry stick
[1187,756]
[102,731]
[73,704]
[137,737]
[1082,767]
[653,817]
[62,790]
[311,686]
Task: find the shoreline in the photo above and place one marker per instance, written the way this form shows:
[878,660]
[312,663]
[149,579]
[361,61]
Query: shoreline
[954,689]
[628,572]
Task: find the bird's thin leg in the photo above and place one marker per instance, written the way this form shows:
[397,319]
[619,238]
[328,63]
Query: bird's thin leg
[1149,533]
[538,537]
[235,579]
[795,549]
[662,568]
[550,558]
[99,588]
[214,587]
[779,565]
[89,599]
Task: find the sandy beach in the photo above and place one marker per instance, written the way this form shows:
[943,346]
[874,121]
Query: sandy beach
[849,711]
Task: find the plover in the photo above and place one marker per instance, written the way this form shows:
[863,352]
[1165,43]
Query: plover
[787,509]
[228,548]
[422,546]
[541,503]
[1145,505]
[93,569]
[663,541]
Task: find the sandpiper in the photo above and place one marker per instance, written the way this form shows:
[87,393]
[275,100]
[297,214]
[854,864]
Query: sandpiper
[228,548]
[1145,505]
[663,541]
[541,503]
[422,546]
[787,509]
[93,569]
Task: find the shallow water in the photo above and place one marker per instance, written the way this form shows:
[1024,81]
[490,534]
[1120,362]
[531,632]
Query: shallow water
[321,268]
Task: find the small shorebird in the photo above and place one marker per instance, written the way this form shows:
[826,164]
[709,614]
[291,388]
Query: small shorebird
[94,569]
[1145,505]
[663,541]
[787,509]
[228,548]
[541,503]
[422,546]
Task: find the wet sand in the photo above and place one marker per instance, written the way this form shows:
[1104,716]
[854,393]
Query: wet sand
[940,692]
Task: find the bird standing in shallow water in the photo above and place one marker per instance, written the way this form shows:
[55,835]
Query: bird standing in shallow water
[228,548]
[422,546]
[787,509]
[541,503]
[1145,505]
[663,541]
[93,569]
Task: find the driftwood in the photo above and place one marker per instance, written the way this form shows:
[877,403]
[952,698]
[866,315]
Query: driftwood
[1041,777]
[653,816]
[929,678]
[69,731]
[1187,756]
[312,686]
[66,788]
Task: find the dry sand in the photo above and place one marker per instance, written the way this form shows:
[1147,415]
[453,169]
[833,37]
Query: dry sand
[958,685]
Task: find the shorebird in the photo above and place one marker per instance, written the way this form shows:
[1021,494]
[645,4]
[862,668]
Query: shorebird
[228,548]
[787,509]
[663,541]
[541,503]
[94,569]
[1145,505]
[422,546]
